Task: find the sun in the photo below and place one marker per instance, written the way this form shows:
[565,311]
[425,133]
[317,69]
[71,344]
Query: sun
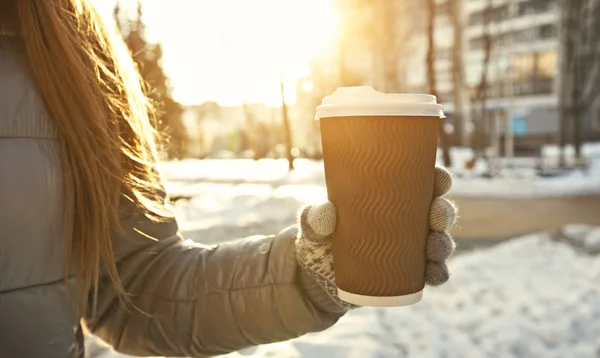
[234,51]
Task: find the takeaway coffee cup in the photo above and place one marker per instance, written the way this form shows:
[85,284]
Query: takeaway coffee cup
[379,153]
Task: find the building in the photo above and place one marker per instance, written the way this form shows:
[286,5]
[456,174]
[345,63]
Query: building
[522,77]
[523,71]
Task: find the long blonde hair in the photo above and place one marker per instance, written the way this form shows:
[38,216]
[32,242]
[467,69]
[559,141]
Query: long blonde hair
[92,89]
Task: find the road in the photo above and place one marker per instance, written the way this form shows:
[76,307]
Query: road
[494,219]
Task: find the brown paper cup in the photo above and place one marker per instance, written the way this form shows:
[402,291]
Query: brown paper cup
[379,172]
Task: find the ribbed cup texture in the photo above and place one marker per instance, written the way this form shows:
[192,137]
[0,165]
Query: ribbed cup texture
[379,173]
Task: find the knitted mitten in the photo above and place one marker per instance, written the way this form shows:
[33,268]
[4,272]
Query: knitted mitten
[317,222]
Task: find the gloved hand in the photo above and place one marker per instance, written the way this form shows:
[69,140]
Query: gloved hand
[317,222]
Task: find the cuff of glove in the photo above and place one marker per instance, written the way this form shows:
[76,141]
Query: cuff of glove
[317,295]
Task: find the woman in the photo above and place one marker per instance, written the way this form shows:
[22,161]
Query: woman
[86,233]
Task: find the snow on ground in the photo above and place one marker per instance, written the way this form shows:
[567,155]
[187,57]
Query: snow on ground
[220,212]
[529,297]
[192,177]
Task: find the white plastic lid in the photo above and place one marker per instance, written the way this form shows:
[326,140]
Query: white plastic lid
[366,101]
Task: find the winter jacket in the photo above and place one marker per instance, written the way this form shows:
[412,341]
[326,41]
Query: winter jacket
[190,299]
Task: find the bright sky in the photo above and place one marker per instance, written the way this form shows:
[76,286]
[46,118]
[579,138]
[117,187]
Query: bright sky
[233,51]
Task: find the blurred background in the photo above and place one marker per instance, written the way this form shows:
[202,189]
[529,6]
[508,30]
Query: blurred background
[237,83]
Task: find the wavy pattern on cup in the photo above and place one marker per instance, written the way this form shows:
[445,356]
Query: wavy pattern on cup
[379,173]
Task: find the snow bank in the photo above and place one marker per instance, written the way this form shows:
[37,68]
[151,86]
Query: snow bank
[191,177]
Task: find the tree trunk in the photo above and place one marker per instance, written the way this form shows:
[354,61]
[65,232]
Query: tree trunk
[577,36]
[580,74]
[566,76]
[576,108]
[562,135]
[286,128]
[389,44]
[430,65]
[458,70]
[480,140]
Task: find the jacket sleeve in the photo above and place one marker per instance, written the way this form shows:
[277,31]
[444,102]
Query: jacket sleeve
[194,300]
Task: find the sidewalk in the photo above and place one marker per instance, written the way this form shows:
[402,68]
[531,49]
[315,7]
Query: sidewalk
[497,218]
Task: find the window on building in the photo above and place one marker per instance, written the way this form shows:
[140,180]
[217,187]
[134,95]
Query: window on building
[524,36]
[548,31]
[534,73]
[522,66]
[533,7]
[495,14]
[545,72]
[546,64]
[500,13]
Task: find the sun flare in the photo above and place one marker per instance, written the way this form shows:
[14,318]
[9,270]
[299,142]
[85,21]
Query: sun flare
[232,51]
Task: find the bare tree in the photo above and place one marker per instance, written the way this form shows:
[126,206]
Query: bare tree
[148,59]
[580,70]
[577,8]
[566,62]
[430,58]
[385,46]
[591,51]
[431,80]
[287,132]
[480,136]
[355,31]
[392,40]
[458,68]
